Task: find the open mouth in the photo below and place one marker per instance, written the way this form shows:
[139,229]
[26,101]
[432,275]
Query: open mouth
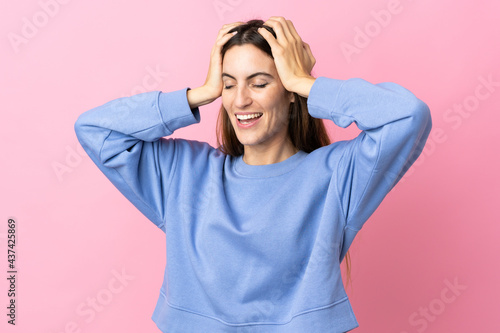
[248,119]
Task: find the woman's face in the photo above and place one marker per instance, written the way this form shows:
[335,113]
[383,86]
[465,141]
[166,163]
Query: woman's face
[251,85]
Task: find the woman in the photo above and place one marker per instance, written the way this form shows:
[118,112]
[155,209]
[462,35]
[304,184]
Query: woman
[257,228]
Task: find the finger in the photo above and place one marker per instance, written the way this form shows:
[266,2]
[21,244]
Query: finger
[293,31]
[223,40]
[309,55]
[282,33]
[227,27]
[230,25]
[285,24]
[225,34]
[269,38]
[308,51]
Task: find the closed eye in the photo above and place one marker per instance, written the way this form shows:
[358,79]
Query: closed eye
[255,85]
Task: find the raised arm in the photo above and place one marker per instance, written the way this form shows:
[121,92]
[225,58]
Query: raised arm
[395,125]
[123,138]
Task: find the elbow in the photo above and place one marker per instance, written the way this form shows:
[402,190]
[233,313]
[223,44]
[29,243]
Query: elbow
[419,123]
[420,114]
[409,106]
[79,126]
[82,128]
[422,109]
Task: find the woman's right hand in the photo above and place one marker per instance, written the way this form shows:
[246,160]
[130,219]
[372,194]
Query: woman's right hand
[212,88]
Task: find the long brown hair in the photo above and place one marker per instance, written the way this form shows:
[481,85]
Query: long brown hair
[306,132]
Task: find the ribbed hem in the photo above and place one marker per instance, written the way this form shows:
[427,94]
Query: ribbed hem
[335,318]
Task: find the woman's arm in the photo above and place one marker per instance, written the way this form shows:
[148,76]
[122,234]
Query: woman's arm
[395,124]
[122,137]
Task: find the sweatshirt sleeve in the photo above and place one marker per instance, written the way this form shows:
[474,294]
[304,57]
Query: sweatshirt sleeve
[395,125]
[124,138]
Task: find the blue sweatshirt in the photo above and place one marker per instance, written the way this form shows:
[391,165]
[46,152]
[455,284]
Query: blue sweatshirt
[257,248]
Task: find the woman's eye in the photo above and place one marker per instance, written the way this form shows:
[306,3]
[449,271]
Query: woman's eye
[260,85]
[227,87]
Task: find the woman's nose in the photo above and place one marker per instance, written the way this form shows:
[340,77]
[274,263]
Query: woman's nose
[243,98]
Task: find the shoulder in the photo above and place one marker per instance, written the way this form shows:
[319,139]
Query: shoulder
[331,153]
[193,150]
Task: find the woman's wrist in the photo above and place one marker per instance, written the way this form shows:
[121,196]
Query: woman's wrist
[303,86]
[200,96]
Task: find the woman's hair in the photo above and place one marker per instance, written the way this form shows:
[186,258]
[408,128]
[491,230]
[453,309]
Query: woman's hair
[306,132]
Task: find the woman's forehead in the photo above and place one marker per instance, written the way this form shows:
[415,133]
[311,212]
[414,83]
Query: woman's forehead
[244,60]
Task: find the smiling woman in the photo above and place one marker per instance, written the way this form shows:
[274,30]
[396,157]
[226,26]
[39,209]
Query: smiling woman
[257,228]
[252,85]
[246,94]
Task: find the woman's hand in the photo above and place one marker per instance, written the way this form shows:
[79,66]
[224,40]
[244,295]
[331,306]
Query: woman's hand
[293,57]
[212,88]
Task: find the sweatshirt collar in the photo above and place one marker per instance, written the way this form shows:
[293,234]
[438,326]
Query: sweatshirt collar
[268,170]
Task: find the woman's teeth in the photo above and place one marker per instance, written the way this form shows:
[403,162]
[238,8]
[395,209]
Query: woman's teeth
[248,116]
[247,119]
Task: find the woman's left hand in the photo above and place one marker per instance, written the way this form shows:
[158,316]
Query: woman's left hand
[293,57]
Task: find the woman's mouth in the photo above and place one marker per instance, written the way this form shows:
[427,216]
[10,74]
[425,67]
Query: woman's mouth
[245,121]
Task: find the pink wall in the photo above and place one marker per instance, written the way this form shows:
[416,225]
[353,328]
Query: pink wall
[437,228]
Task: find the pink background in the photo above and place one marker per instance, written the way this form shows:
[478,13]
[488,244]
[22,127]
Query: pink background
[438,227]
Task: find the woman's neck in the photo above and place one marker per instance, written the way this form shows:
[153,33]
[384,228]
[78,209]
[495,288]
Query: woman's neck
[258,155]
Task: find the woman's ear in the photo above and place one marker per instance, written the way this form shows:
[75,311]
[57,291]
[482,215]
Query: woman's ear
[291,97]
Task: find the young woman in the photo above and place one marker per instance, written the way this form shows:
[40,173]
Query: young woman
[257,228]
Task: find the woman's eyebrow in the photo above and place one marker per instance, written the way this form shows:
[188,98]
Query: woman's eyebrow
[250,76]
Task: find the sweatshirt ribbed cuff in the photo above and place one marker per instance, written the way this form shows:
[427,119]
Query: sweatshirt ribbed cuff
[323,97]
[175,111]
